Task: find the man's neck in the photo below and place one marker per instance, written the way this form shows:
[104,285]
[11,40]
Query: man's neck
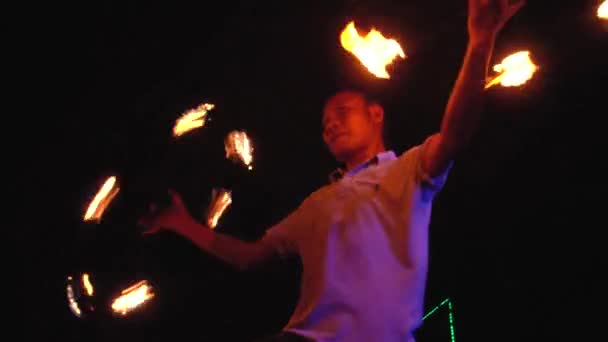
[364,155]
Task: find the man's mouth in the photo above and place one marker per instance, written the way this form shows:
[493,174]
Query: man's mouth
[336,137]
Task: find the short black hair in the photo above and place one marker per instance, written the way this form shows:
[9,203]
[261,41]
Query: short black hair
[368,96]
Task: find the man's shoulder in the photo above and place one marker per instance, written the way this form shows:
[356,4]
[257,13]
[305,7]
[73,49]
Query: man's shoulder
[320,192]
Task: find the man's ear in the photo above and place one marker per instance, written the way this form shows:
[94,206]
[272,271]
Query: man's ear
[377,113]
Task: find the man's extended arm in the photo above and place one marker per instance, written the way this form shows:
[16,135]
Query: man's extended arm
[240,254]
[463,111]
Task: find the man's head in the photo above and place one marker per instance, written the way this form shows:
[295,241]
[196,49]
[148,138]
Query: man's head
[352,123]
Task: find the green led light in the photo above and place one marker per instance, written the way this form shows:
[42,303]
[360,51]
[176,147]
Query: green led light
[450,315]
[447,300]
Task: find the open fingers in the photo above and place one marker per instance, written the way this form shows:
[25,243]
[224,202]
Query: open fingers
[151,231]
[175,198]
[515,7]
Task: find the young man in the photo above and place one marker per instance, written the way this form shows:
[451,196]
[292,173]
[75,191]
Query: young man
[363,238]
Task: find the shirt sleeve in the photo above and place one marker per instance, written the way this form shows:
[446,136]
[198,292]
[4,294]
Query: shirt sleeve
[284,236]
[436,183]
[412,174]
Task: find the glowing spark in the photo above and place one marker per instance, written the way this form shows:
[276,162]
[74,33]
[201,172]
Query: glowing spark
[192,119]
[86,282]
[221,199]
[515,70]
[602,11]
[101,201]
[132,297]
[72,301]
[238,147]
[373,50]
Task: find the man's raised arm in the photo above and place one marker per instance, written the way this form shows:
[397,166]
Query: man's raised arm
[462,114]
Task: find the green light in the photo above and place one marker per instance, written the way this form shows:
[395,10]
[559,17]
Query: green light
[447,300]
[450,315]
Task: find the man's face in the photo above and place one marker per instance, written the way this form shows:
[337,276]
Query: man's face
[348,125]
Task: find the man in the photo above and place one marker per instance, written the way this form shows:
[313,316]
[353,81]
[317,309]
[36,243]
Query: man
[363,238]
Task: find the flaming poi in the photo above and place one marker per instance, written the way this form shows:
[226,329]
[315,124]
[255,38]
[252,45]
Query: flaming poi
[514,70]
[602,11]
[72,303]
[132,297]
[238,147]
[86,283]
[220,200]
[374,50]
[192,119]
[102,199]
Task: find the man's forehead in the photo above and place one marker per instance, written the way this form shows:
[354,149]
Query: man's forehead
[341,99]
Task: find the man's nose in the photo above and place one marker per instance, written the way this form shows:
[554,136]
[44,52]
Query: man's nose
[331,126]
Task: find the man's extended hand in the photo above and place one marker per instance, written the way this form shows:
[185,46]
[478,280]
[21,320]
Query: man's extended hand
[174,218]
[487,17]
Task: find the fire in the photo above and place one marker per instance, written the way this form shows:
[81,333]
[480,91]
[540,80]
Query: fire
[102,199]
[192,119]
[373,50]
[72,303]
[602,11]
[238,146]
[515,70]
[86,282]
[221,199]
[133,297]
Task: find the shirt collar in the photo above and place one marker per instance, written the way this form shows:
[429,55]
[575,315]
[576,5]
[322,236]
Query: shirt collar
[381,157]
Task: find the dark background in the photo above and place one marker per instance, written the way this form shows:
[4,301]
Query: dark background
[516,237]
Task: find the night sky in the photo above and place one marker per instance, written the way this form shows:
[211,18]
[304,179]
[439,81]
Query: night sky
[516,234]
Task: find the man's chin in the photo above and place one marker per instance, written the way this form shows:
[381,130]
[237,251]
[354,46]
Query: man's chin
[341,153]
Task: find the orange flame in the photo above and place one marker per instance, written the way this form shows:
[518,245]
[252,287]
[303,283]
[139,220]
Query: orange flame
[72,303]
[238,146]
[220,202]
[373,50]
[102,199]
[132,297]
[602,11]
[86,282]
[515,70]
[192,119]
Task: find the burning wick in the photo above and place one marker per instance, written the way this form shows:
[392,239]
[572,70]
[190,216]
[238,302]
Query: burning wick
[220,201]
[72,303]
[102,199]
[132,297]
[602,11]
[192,119]
[86,282]
[373,50]
[515,70]
[238,147]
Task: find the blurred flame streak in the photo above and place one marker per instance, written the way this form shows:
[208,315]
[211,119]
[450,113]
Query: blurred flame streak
[602,11]
[192,119]
[373,50]
[132,297]
[102,199]
[238,146]
[221,200]
[515,70]
[72,302]
[86,282]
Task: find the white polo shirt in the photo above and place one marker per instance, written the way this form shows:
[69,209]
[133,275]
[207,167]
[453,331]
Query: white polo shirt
[363,242]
